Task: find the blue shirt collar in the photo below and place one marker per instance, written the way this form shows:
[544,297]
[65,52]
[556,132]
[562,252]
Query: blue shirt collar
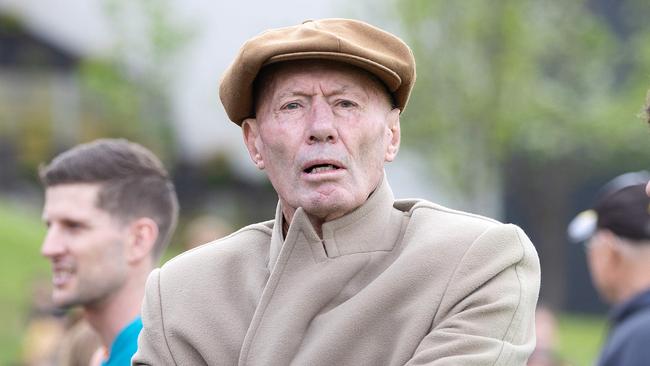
[125,344]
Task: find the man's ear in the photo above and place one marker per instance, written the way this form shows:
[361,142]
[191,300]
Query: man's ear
[394,134]
[613,248]
[251,134]
[143,233]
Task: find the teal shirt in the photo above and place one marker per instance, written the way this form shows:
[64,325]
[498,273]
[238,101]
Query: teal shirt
[124,345]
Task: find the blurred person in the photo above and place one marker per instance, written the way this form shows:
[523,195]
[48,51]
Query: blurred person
[55,337]
[545,353]
[41,339]
[203,229]
[617,236]
[79,344]
[44,328]
[110,210]
[344,274]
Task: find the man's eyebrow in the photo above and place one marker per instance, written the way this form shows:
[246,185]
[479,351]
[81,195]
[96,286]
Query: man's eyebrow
[67,220]
[349,89]
[358,92]
[294,93]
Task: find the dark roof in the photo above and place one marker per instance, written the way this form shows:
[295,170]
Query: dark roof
[22,48]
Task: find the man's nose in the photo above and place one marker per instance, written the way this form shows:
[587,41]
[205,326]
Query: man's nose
[321,122]
[52,244]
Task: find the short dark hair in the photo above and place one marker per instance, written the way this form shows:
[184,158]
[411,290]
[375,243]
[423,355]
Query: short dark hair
[133,182]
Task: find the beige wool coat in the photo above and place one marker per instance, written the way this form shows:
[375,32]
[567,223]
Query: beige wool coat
[404,282]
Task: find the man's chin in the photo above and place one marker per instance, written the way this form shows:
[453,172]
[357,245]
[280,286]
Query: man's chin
[62,301]
[328,210]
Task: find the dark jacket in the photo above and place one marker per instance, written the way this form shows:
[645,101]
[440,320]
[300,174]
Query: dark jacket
[628,342]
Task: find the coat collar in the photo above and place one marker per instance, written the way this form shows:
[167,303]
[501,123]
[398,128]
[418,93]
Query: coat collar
[640,301]
[373,226]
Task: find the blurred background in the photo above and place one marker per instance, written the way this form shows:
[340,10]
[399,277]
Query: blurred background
[521,110]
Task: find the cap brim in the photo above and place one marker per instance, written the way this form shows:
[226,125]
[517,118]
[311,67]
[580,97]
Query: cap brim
[387,76]
[583,226]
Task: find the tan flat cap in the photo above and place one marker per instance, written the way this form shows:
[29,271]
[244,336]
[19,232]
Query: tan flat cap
[351,41]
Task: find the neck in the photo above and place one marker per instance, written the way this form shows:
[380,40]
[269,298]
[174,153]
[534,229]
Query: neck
[633,274]
[287,216]
[633,287]
[109,316]
[317,221]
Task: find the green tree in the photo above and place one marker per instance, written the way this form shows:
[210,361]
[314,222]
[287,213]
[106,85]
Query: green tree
[128,92]
[547,86]
[541,78]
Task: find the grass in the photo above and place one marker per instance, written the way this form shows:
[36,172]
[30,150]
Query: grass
[580,338]
[21,265]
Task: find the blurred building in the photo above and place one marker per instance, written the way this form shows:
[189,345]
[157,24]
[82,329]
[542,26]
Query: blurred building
[81,30]
[39,97]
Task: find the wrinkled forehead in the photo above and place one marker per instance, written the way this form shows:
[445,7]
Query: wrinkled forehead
[271,76]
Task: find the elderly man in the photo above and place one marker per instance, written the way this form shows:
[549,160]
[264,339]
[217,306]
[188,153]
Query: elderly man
[110,210]
[618,254]
[344,274]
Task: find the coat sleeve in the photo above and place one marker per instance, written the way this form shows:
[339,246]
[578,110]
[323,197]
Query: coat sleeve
[153,348]
[487,314]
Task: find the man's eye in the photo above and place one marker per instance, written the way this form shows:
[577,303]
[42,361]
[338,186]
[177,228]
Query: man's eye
[72,225]
[292,105]
[346,104]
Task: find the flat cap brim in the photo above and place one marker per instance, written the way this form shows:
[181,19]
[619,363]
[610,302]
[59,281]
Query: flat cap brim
[349,41]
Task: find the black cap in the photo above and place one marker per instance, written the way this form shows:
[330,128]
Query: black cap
[622,207]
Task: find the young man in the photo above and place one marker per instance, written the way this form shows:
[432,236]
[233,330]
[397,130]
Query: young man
[344,274]
[110,210]
[618,254]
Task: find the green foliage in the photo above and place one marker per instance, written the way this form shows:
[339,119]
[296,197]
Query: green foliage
[547,79]
[123,93]
[580,338]
[21,266]
[128,92]
[118,106]
[9,23]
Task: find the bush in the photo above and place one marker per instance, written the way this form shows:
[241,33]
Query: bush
[21,265]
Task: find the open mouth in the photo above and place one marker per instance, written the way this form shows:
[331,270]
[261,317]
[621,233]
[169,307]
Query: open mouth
[61,277]
[62,274]
[321,168]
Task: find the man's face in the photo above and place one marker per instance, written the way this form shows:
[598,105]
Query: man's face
[84,244]
[323,132]
[600,267]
